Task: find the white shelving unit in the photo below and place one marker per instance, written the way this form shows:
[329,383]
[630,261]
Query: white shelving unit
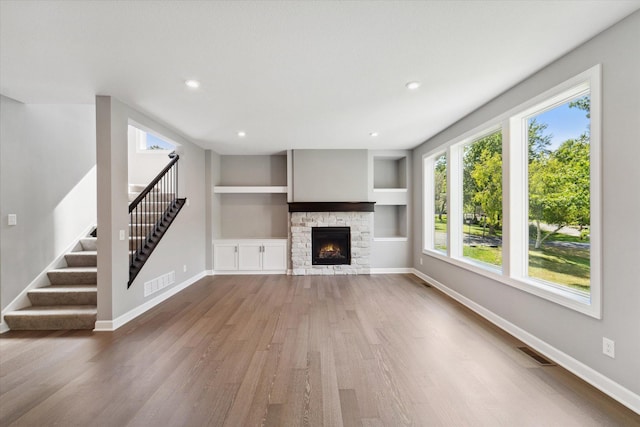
[248,189]
[390,192]
[250,198]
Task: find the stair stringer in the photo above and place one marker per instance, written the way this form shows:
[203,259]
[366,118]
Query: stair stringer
[41,280]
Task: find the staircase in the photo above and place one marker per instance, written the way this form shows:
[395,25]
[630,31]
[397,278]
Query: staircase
[152,209]
[69,302]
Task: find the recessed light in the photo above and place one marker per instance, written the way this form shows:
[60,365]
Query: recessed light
[413,85]
[193,84]
[374,134]
[242,134]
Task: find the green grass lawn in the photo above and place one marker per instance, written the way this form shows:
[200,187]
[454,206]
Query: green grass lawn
[565,266]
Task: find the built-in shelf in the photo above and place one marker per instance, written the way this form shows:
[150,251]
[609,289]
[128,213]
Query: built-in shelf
[390,190]
[390,222]
[390,196]
[391,239]
[247,189]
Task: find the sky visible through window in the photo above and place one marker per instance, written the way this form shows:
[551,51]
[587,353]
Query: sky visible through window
[154,141]
[563,123]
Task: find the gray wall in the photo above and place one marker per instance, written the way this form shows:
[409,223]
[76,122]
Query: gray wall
[184,243]
[253,170]
[577,335]
[330,176]
[47,178]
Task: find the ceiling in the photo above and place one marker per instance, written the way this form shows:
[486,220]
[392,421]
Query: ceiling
[292,75]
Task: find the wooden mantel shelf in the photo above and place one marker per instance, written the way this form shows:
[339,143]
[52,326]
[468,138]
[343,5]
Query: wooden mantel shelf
[331,206]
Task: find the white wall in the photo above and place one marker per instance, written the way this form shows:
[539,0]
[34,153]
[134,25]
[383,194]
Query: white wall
[47,178]
[575,334]
[184,242]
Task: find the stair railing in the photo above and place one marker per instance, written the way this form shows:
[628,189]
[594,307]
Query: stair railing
[151,213]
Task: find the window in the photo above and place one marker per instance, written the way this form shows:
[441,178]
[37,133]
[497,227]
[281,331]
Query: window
[559,194]
[517,199]
[440,203]
[482,199]
[148,142]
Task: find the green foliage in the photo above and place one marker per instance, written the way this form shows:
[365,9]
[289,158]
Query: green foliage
[440,185]
[559,181]
[482,179]
[583,104]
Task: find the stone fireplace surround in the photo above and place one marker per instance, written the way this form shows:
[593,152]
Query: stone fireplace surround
[356,215]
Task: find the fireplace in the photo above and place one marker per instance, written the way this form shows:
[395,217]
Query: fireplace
[331,245]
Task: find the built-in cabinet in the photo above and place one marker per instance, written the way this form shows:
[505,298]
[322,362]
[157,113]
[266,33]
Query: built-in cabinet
[246,256]
[250,202]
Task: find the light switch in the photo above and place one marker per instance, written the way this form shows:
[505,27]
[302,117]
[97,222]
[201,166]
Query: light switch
[12,219]
[121,234]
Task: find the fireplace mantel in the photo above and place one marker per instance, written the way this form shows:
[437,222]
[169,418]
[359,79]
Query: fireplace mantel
[331,206]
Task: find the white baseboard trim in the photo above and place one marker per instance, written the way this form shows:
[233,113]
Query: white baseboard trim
[588,374]
[247,272]
[209,273]
[41,280]
[391,271]
[112,325]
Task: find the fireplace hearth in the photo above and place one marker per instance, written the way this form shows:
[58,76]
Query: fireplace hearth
[331,246]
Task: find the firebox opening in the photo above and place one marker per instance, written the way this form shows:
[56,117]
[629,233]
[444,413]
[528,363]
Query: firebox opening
[331,245]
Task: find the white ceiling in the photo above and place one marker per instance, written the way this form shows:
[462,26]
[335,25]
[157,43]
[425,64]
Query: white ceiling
[290,74]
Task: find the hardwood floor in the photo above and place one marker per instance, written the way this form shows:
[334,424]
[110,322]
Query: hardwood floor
[294,351]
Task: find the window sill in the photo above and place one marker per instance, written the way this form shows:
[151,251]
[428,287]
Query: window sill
[564,297]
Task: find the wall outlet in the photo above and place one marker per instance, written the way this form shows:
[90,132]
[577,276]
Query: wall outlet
[184,268]
[609,347]
[121,234]
[188,202]
[420,260]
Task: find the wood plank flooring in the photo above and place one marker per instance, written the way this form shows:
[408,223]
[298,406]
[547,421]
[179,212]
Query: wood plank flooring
[294,351]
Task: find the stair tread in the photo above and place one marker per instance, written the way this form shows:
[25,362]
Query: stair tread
[66,288]
[54,310]
[74,270]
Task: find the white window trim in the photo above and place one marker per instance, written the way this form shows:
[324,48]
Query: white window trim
[515,201]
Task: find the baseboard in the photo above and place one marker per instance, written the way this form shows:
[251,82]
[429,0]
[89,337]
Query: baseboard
[112,325]
[391,270]
[209,273]
[4,327]
[247,272]
[588,374]
[41,280]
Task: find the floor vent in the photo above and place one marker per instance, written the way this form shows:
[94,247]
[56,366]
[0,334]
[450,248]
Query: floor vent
[537,357]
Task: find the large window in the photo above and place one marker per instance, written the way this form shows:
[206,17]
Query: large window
[559,194]
[440,203]
[518,198]
[482,199]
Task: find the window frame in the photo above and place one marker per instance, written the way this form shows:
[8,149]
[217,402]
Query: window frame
[138,127]
[515,200]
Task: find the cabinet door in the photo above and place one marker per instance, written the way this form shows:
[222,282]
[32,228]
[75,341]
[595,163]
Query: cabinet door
[250,256]
[274,256]
[225,256]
